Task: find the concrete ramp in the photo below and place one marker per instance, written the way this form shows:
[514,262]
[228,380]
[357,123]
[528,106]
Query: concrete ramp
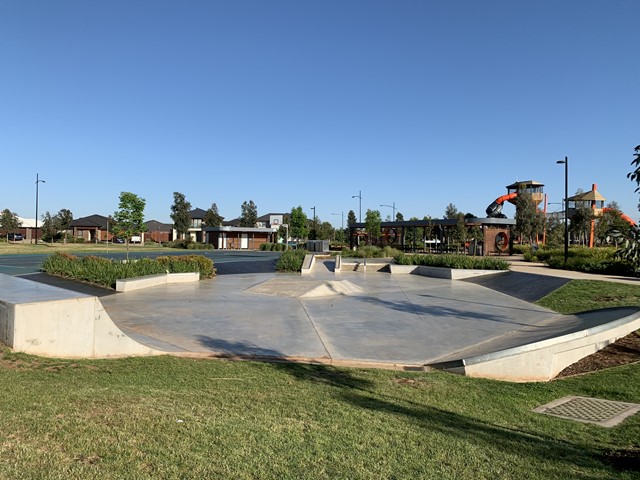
[41,319]
[538,353]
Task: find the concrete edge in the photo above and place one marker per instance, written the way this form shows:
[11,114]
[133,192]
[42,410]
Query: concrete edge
[440,272]
[147,281]
[338,264]
[308,263]
[543,360]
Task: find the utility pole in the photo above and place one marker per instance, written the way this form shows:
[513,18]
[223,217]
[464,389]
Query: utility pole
[359,196]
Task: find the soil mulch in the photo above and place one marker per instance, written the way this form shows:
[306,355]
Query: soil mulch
[626,350]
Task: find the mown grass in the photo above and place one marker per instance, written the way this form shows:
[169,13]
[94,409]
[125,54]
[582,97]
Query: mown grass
[79,248]
[179,418]
[584,295]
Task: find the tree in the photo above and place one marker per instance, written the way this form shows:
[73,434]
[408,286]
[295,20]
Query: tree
[249,215]
[351,218]
[63,219]
[212,218]
[49,229]
[325,231]
[180,214]
[580,225]
[129,217]
[399,217]
[451,212]
[373,225]
[9,222]
[630,248]
[528,222]
[298,225]
[611,221]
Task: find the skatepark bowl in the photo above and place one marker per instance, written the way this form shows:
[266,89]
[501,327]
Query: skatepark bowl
[365,317]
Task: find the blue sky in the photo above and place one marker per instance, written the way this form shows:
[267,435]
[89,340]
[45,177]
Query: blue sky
[287,103]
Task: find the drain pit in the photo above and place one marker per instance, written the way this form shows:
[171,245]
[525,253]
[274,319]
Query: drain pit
[606,413]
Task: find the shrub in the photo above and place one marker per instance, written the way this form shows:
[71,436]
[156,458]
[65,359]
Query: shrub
[453,261]
[371,251]
[105,272]
[291,261]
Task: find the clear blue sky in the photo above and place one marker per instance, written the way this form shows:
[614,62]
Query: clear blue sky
[286,103]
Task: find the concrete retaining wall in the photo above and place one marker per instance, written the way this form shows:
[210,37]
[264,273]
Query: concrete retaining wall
[440,272]
[129,284]
[50,321]
[542,361]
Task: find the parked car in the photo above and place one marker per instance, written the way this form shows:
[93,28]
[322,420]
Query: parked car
[15,237]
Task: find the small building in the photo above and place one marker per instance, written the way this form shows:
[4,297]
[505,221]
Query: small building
[159,232]
[94,228]
[239,238]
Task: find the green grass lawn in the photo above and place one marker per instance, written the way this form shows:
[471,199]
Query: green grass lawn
[15,248]
[180,418]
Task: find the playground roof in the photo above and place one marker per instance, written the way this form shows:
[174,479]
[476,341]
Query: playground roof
[590,196]
[528,183]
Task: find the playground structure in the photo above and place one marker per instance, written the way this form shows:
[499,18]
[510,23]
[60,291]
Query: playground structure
[591,199]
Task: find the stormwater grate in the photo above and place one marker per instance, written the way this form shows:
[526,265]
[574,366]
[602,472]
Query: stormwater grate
[605,413]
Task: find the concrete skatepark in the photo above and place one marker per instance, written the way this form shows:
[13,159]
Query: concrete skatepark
[350,317]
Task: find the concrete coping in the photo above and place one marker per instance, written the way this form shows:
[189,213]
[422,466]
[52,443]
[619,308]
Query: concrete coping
[440,272]
[307,263]
[129,284]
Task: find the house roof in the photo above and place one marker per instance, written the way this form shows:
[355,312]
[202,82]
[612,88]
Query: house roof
[197,213]
[92,221]
[155,226]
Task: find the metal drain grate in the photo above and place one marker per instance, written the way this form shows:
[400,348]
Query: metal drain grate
[605,413]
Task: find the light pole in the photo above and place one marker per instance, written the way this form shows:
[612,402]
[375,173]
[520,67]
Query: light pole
[566,207]
[393,219]
[37,182]
[359,196]
[342,215]
[315,227]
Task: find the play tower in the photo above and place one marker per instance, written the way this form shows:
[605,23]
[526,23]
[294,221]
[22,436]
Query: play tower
[536,189]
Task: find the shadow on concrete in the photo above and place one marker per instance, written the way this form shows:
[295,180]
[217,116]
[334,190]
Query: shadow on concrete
[73,285]
[525,286]
[247,350]
[438,311]
[239,267]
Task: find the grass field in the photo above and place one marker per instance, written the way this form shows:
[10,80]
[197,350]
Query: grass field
[15,248]
[181,418]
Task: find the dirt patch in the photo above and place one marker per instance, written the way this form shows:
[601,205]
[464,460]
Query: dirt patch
[626,350]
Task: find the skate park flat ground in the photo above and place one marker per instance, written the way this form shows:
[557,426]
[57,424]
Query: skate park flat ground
[349,318]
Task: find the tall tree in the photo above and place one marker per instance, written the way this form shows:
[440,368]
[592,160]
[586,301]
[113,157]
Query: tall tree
[49,228]
[399,217]
[129,217]
[180,214]
[630,248]
[9,222]
[351,218]
[373,225]
[325,231]
[249,215]
[63,220]
[451,212]
[298,225]
[527,220]
[212,218]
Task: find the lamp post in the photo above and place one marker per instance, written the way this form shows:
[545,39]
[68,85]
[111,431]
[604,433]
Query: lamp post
[359,196]
[566,207]
[315,227]
[37,182]
[393,219]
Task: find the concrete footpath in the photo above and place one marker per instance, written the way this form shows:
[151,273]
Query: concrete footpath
[350,318]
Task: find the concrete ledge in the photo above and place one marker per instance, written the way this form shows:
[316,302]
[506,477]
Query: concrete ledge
[44,320]
[543,360]
[308,263]
[440,272]
[129,284]
[338,264]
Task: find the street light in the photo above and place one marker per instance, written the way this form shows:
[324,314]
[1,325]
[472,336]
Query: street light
[315,227]
[37,182]
[393,219]
[342,215]
[566,207]
[359,196]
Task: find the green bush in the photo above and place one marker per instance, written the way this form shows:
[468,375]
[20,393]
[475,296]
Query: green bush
[371,251]
[601,260]
[105,272]
[453,261]
[291,261]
